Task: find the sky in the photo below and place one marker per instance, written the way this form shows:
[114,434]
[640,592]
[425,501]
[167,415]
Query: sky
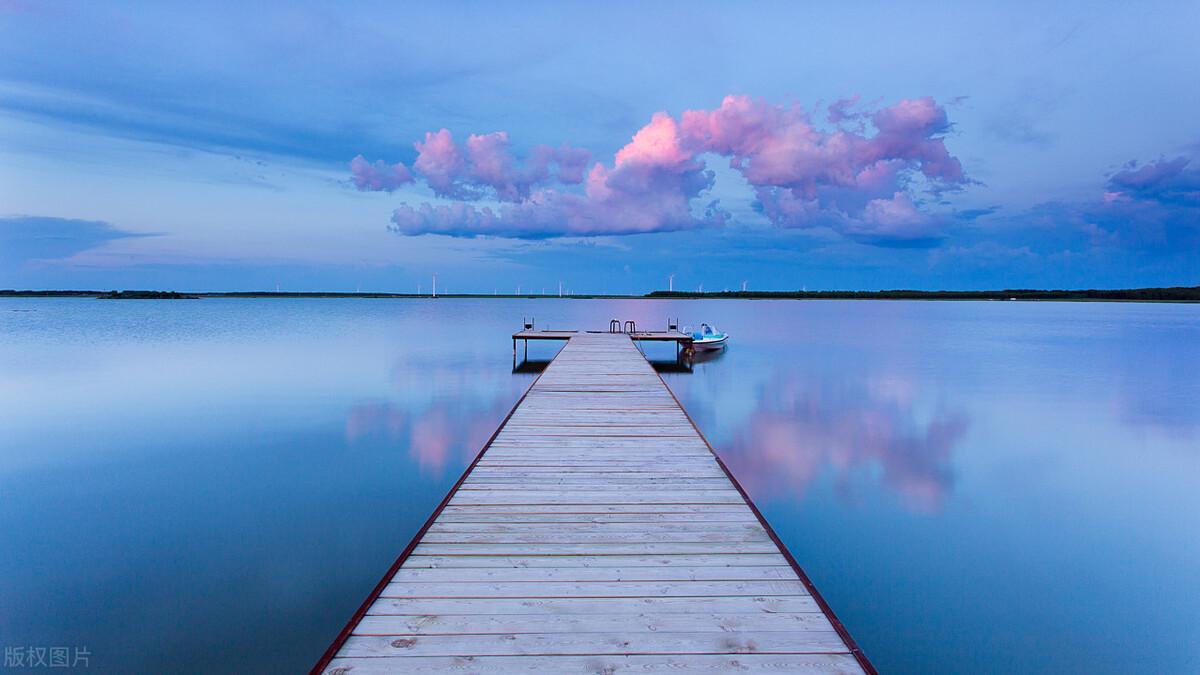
[613,148]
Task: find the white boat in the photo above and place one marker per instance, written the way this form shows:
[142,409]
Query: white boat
[708,338]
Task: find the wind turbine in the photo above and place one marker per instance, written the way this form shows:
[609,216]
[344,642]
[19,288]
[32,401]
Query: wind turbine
[435,284]
[671,283]
[743,286]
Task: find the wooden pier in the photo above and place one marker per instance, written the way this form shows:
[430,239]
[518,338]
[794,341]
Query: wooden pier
[596,532]
[683,341]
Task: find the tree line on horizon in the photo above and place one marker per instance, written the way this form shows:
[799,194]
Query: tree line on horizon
[1174,293]
[1166,294]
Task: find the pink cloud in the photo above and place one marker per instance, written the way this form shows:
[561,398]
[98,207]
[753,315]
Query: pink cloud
[834,174]
[443,219]
[656,144]
[910,130]
[773,145]
[572,163]
[490,163]
[894,221]
[856,182]
[482,167]
[650,188]
[630,199]
[378,176]
[441,163]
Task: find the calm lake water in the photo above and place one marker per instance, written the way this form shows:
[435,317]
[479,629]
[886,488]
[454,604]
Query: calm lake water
[215,485]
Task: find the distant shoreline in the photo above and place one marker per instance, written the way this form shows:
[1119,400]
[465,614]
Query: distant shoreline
[1171,294]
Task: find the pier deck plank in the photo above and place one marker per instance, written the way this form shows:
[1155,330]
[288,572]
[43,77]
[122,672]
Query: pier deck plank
[597,533]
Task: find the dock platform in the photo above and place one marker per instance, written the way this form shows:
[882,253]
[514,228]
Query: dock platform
[678,337]
[596,532]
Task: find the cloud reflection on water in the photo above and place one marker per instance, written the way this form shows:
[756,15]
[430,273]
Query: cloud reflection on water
[801,430]
[442,416]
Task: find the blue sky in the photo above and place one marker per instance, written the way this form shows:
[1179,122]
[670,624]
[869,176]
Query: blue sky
[209,146]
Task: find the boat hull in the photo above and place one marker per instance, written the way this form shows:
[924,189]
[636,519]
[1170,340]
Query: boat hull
[709,343]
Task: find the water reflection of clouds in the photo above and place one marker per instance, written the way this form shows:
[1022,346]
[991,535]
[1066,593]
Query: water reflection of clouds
[442,415]
[801,430]
[445,434]
[369,419]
